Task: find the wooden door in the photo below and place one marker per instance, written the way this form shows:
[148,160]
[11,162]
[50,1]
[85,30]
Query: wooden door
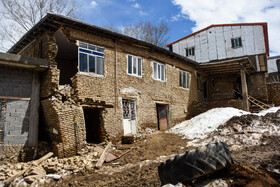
[162,112]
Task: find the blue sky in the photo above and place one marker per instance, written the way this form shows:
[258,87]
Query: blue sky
[125,12]
[184,16]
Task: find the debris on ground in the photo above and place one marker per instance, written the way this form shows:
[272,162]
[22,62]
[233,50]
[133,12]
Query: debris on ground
[253,140]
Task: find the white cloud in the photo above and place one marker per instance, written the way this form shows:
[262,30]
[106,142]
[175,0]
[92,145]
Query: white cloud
[93,4]
[136,5]
[131,0]
[142,13]
[176,17]
[205,13]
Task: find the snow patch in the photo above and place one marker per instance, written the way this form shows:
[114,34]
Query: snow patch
[201,125]
[270,110]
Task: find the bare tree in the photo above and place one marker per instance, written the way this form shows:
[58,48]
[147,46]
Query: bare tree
[18,16]
[145,31]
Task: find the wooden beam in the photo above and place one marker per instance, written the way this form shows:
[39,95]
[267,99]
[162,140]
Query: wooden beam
[34,111]
[103,156]
[15,98]
[244,89]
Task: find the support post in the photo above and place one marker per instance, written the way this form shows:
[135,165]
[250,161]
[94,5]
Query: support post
[34,111]
[244,88]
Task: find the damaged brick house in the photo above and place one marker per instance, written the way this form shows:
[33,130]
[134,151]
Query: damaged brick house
[233,58]
[103,85]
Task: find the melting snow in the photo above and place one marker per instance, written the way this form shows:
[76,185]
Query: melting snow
[201,125]
[270,110]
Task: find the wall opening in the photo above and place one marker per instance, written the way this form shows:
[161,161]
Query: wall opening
[162,116]
[93,125]
[66,58]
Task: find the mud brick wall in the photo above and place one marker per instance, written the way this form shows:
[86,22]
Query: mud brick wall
[222,87]
[59,115]
[145,90]
[199,108]
[273,90]
[11,150]
[257,86]
[60,118]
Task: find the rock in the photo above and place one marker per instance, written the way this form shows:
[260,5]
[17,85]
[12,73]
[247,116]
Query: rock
[54,176]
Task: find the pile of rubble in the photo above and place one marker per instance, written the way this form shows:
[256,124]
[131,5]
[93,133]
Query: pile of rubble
[34,173]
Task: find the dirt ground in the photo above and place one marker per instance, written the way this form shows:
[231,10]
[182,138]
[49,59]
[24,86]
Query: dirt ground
[257,157]
[136,168]
[139,167]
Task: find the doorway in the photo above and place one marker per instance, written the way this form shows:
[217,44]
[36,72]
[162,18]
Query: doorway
[162,115]
[93,125]
[129,116]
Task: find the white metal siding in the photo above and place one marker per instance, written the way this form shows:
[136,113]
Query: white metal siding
[271,64]
[221,43]
[215,43]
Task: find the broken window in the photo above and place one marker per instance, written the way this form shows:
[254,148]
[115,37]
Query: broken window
[190,51]
[236,42]
[134,65]
[184,79]
[91,58]
[159,71]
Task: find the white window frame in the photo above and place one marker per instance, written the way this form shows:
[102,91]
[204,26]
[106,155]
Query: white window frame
[91,51]
[187,78]
[157,73]
[137,61]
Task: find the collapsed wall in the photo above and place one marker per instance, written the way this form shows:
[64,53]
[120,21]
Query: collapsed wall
[65,126]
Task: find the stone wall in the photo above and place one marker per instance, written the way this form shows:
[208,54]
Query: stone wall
[273,90]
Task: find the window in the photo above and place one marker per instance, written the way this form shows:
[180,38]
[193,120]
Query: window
[134,65]
[236,42]
[91,58]
[159,71]
[190,51]
[184,79]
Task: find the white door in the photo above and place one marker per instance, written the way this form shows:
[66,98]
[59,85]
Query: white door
[129,116]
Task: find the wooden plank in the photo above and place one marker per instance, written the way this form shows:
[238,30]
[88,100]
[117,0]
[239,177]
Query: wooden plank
[34,111]
[15,98]
[244,89]
[103,156]
[35,163]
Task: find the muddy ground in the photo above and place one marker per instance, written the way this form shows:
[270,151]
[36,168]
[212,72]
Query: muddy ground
[139,167]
